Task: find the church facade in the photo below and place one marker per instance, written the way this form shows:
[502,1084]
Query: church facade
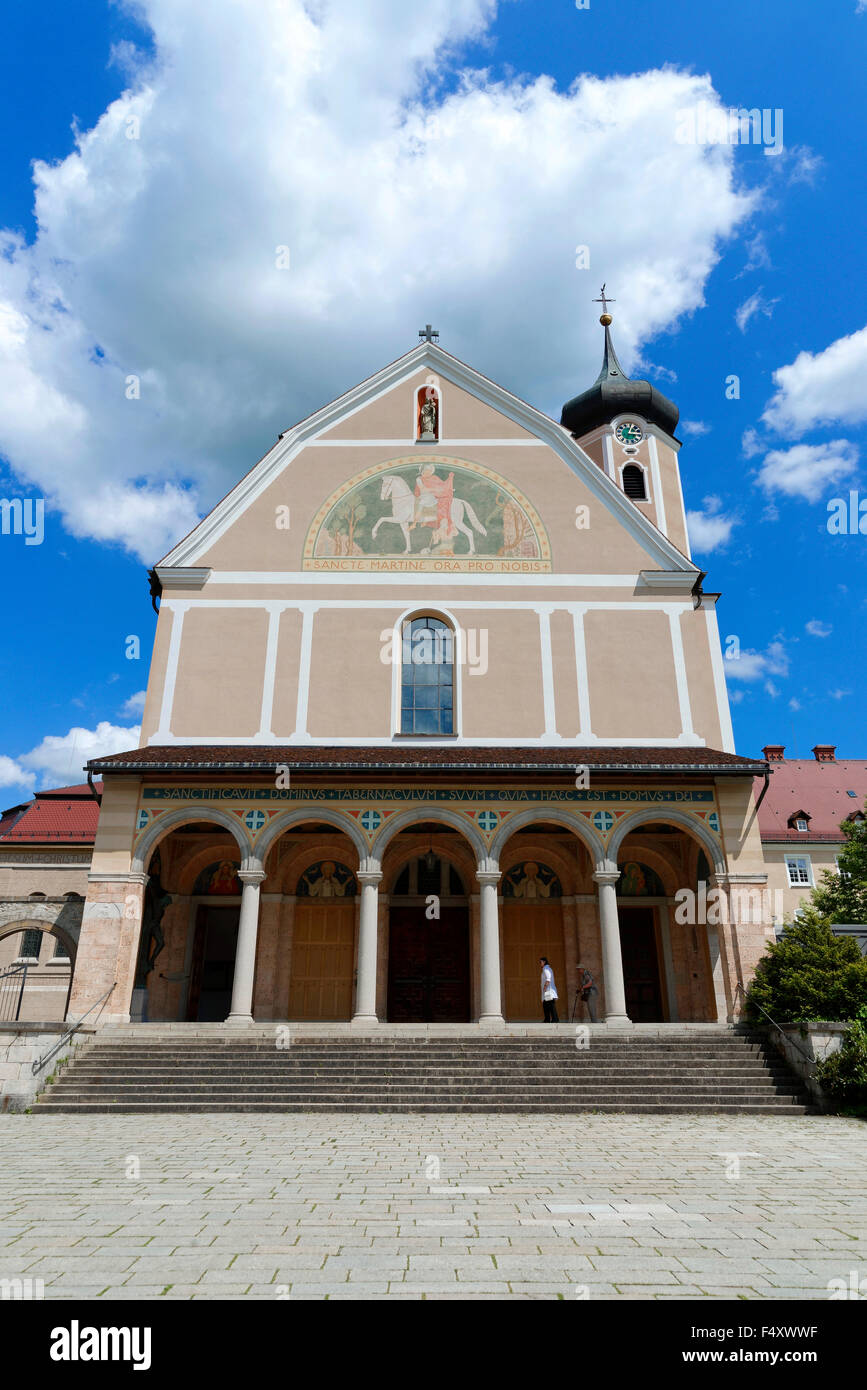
[436,690]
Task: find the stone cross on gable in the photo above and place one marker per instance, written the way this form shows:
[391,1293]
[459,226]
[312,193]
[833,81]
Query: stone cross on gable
[429,334]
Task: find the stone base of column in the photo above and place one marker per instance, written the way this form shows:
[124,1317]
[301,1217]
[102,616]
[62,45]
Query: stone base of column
[618,1021]
[239,1021]
[493,1021]
[364,1021]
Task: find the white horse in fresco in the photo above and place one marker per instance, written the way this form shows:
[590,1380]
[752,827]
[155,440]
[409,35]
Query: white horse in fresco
[402,499]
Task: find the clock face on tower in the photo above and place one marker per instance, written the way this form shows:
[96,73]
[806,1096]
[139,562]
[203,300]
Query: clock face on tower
[628,432]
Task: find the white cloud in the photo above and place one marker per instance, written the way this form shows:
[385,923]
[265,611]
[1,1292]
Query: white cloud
[403,195]
[817,628]
[839,694]
[756,304]
[772,690]
[751,665]
[694,428]
[134,705]
[758,257]
[804,470]
[800,164]
[751,443]
[59,759]
[710,529]
[794,704]
[822,387]
[12,774]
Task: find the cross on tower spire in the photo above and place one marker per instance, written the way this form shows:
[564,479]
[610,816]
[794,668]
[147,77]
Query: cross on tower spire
[430,334]
[604,300]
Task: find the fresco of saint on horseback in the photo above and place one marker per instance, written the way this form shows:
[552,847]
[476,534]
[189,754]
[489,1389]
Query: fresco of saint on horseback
[432,504]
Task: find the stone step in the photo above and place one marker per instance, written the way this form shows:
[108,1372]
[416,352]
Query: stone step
[726,1072]
[420,1108]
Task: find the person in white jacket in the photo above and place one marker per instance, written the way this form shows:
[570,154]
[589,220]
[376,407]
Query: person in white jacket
[549,992]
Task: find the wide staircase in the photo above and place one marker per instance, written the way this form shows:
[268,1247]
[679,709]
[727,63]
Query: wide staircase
[160,1071]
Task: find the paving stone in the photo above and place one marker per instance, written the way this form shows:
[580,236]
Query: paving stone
[338,1206]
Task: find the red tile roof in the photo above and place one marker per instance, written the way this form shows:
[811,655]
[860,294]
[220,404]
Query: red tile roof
[819,788]
[258,758]
[59,815]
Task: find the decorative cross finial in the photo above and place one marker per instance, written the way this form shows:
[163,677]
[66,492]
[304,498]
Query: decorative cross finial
[430,334]
[604,300]
[604,317]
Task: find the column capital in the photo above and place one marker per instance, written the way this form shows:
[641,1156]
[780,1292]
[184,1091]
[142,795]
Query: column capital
[605,876]
[367,877]
[488,878]
[254,876]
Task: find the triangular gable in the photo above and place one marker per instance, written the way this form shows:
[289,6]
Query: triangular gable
[661,552]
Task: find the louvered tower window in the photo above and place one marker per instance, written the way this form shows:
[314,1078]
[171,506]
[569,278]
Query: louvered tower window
[633,482]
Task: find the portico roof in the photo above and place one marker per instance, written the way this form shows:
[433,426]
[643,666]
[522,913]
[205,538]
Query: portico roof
[235,758]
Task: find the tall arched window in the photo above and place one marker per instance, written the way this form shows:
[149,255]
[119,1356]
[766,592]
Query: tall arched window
[427,676]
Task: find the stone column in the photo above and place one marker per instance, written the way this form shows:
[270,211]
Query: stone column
[241,1013]
[108,948]
[368,932]
[612,959]
[491,1014]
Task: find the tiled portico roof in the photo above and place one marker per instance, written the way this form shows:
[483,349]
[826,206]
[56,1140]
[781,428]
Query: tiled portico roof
[235,758]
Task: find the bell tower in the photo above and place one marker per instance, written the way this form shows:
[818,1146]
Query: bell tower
[627,428]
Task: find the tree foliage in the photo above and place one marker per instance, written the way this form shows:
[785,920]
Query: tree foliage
[842,897]
[844,1074]
[809,974]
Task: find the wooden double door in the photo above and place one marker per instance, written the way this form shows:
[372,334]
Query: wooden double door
[638,946]
[428,966]
[322,968]
[212,969]
[531,930]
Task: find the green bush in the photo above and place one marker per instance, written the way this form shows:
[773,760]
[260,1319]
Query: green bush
[810,974]
[844,1074]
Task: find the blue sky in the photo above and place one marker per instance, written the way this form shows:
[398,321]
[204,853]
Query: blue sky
[446,171]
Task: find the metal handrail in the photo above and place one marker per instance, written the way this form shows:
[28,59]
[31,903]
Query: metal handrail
[739,989]
[40,1063]
[15,969]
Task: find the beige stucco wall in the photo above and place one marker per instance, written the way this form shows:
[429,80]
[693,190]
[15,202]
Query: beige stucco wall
[630,666]
[821,857]
[223,650]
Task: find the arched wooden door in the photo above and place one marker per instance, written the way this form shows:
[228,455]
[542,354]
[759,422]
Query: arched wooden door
[323,945]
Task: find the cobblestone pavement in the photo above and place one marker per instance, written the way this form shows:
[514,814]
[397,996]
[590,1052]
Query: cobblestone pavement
[443,1206]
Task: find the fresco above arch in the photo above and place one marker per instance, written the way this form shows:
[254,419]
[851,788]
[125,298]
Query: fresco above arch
[425,513]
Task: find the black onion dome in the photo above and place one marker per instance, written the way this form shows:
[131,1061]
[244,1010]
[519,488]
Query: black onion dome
[612,394]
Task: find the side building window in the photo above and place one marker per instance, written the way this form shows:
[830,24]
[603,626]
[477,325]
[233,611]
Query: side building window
[798,867]
[31,942]
[427,685]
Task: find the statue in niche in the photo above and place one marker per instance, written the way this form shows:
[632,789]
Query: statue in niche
[156,900]
[428,417]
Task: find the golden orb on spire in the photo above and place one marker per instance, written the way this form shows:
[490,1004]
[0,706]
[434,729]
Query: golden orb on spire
[605,320]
